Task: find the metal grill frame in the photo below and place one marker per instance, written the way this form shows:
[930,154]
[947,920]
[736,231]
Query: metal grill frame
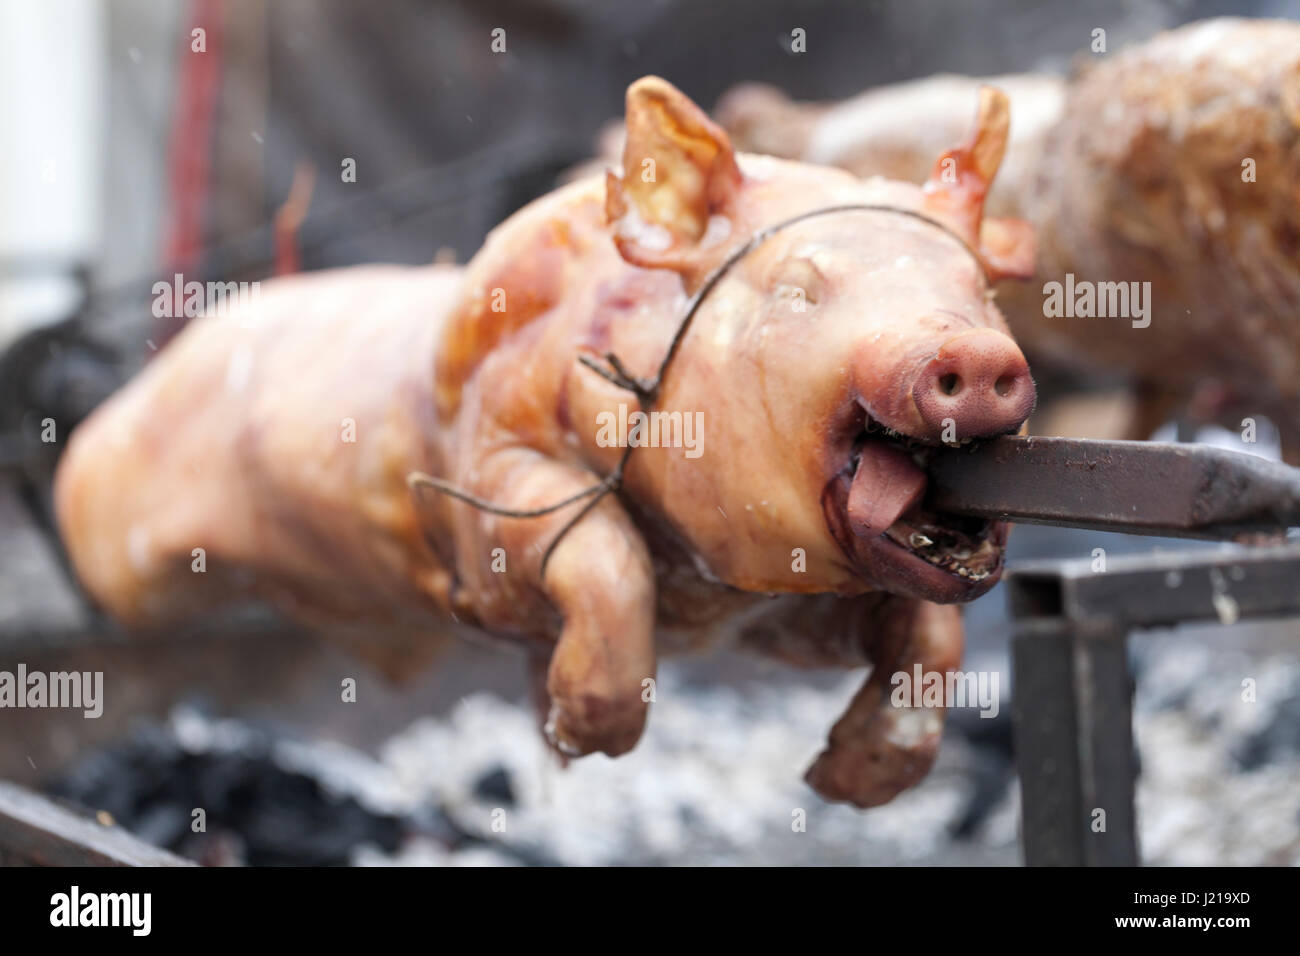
[1072,712]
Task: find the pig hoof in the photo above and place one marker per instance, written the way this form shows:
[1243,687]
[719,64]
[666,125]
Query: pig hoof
[868,776]
[591,724]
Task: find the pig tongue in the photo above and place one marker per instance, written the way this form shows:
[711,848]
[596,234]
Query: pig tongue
[887,484]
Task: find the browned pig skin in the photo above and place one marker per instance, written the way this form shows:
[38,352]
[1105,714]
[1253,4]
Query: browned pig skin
[1130,171]
[279,440]
[1177,162]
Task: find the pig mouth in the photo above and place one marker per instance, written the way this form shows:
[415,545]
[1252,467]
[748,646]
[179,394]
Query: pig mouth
[875,510]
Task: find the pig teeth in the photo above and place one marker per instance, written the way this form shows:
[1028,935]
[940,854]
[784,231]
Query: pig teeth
[953,566]
[918,540]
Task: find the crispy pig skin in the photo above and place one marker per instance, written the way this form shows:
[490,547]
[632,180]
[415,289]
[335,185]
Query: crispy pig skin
[235,440]
[1142,180]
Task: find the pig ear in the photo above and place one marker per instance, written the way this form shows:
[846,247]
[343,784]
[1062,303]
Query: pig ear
[1008,248]
[678,171]
[957,187]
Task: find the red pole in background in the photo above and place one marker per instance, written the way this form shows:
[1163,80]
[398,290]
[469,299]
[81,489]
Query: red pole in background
[189,148]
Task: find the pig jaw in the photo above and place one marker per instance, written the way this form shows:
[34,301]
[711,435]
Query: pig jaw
[875,512]
[961,385]
[874,503]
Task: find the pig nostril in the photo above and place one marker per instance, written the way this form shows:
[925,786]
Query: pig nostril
[977,381]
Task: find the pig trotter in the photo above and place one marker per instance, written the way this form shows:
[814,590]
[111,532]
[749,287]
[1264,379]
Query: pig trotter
[599,577]
[877,750]
[606,649]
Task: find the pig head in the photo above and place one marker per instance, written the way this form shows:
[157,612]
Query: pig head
[489,477]
[825,361]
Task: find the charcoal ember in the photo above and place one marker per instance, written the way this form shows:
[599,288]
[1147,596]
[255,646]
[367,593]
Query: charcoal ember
[258,812]
[1276,738]
[496,786]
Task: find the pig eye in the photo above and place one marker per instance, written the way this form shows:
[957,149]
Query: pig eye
[799,283]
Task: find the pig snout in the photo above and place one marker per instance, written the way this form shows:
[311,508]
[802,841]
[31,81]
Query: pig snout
[977,385]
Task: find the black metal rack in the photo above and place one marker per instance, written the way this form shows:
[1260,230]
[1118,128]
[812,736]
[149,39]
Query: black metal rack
[1072,711]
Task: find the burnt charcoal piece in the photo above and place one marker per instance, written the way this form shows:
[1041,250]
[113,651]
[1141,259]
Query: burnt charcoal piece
[496,786]
[257,812]
[1278,736]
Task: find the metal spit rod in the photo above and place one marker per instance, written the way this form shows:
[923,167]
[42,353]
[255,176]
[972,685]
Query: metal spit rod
[1134,487]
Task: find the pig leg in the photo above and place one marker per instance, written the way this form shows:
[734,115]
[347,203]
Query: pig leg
[600,580]
[876,750]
